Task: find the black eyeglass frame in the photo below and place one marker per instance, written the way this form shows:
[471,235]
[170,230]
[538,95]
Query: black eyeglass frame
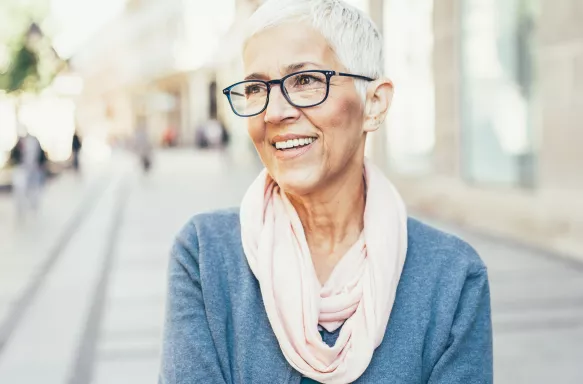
[268,84]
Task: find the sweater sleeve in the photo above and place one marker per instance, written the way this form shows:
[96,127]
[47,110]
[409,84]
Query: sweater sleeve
[188,351]
[468,356]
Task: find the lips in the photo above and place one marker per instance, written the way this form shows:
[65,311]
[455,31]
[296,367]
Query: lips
[293,148]
[293,143]
[290,136]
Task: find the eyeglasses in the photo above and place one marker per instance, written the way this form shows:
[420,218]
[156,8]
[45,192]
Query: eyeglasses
[302,89]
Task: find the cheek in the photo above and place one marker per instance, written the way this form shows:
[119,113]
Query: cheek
[341,120]
[255,130]
[346,114]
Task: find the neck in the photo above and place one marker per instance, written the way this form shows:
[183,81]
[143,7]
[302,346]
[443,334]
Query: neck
[333,218]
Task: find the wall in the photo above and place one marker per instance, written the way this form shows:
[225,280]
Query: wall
[549,215]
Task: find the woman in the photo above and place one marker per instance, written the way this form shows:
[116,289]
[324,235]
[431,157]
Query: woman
[320,277]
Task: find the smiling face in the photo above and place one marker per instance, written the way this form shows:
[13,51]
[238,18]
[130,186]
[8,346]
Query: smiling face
[330,137]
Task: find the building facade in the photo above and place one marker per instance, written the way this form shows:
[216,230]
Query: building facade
[485,126]
[499,147]
[150,65]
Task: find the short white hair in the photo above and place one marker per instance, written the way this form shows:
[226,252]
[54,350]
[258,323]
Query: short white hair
[351,34]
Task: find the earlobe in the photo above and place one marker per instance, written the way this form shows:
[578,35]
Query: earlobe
[371,125]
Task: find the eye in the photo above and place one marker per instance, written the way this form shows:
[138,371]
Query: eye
[252,89]
[306,80]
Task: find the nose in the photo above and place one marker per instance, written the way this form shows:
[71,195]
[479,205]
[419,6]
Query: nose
[279,109]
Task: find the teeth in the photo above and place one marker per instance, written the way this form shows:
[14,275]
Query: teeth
[294,143]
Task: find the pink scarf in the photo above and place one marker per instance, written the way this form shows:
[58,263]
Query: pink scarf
[359,293]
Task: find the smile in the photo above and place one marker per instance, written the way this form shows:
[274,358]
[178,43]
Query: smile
[293,148]
[294,143]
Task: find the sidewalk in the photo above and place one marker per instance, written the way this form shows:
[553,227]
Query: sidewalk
[182,184]
[97,316]
[95,311]
[26,248]
[39,285]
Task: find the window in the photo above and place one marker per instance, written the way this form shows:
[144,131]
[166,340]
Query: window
[408,35]
[497,91]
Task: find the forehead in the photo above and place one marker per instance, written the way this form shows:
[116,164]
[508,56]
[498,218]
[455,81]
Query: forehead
[271,51]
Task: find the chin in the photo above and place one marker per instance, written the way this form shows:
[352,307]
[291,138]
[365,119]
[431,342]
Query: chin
[298,182]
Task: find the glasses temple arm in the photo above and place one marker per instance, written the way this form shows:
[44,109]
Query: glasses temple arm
[356,76]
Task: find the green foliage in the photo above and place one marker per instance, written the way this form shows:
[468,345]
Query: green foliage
[33,64]
[22,74]
[25,65]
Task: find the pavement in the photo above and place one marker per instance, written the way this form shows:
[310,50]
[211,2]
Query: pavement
[82,285]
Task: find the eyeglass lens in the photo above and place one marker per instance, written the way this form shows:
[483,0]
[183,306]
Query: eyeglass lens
[303,90]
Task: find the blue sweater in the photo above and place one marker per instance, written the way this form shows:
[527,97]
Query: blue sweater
[216,328]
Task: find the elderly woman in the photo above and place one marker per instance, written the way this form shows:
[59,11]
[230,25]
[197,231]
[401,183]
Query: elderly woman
[320,276]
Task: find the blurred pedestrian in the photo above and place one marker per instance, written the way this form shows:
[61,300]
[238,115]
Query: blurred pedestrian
[169,136]
[28,160]
[225,136]
[212,134]
[143,146]
[75,150]
[321,276]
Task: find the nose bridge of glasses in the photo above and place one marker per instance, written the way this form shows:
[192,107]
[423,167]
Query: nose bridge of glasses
[271,83]
[277,103]
[274,82]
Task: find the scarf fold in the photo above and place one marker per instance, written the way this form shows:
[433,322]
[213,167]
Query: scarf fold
[358,295]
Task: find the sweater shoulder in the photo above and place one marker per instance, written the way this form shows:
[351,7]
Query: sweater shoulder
[215,223]
[429,245]
[210,234]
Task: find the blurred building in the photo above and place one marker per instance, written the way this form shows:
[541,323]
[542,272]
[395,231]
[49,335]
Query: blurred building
[150,64]
[485,123]
[485,129]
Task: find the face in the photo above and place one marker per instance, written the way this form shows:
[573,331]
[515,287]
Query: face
[332,132]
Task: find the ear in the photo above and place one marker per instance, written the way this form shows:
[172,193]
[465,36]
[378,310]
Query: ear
[379,95]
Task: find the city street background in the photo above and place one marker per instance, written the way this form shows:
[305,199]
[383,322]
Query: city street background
[82,288]
[122,100]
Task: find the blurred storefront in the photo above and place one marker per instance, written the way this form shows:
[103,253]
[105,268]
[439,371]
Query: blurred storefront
[150,64]
[485,126]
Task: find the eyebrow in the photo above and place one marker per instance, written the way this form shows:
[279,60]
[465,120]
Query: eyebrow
[287,69]
[299,66]
[256,76]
